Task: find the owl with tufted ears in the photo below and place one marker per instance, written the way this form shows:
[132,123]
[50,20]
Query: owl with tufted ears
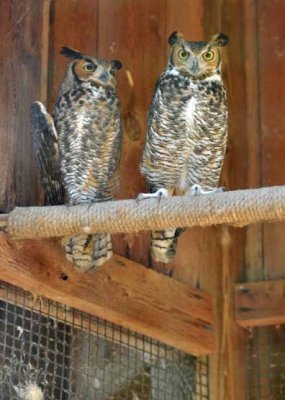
[187,129]
[78,147]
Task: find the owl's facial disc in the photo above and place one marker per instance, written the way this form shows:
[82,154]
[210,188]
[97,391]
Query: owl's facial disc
[198,59]
[101,73]
[197,62]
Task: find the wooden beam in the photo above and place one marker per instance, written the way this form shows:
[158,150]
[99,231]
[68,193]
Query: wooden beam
[260,303]
[122,292]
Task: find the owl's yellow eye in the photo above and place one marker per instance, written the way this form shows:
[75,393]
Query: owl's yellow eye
[183,54]
[209,55]
[89,67]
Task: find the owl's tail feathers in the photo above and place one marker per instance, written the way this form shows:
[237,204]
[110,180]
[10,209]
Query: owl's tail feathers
[164,244]
[88,251]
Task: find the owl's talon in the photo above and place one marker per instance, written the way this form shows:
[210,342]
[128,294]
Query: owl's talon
[158,194]
[89,205]
[140,197]
[161,193]
[196,190]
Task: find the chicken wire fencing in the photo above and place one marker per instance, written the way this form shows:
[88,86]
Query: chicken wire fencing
[266,371]
[50,351]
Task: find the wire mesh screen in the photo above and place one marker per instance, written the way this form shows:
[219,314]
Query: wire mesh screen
[267,363]
[49,351]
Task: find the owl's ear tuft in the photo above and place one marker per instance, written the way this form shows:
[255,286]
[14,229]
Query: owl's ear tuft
[71,53]
[116,64]
[174,37]
[220,39]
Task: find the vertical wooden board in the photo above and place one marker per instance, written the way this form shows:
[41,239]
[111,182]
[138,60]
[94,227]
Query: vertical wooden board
[23,67]
[272,98]
[254,233]
[229,382]
[271,35]
[73,24]
[187,18]
[134,33]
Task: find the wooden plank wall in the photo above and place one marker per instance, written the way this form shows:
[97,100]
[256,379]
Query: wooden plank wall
[136,31]
[271,41]
[23,68]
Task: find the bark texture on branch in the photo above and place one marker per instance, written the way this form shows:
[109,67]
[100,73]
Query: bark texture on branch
[238,208]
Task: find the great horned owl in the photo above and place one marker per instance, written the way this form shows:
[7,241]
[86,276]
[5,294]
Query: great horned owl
[78,147]
[187,128]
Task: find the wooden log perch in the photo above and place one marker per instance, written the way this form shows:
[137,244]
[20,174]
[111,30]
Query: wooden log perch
[122,292]
[238,208]
[260,303]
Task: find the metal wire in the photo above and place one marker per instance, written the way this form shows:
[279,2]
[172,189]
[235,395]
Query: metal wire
[66,354]
[266,371]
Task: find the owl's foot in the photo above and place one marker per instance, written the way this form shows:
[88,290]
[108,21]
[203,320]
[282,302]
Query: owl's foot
[196,190]
[90,203]
[158,195]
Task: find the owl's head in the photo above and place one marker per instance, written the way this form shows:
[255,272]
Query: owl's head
[198,59]
[89,69]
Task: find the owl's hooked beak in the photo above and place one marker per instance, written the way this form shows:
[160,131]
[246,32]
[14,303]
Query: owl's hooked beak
[194,66]
[105,76]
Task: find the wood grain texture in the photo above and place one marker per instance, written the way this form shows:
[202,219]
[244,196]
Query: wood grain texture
[138,40]
[228,381]
[271,32]
[23,67]
[122,292]
[254,233]
[260,303]
[271,56]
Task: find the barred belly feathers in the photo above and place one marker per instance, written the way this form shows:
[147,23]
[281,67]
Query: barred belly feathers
[78,147]
[187,129]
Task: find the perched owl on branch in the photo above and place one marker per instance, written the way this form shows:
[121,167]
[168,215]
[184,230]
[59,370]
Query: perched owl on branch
[187,129]
[78,147]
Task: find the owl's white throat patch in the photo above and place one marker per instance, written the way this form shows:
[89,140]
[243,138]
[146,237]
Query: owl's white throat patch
[172,71]
[215,77]
[190,109]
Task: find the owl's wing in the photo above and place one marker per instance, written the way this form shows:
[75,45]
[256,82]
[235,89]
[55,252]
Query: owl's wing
[45,142]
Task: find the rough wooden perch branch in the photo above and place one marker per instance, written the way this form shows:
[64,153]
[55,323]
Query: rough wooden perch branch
[239,208]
